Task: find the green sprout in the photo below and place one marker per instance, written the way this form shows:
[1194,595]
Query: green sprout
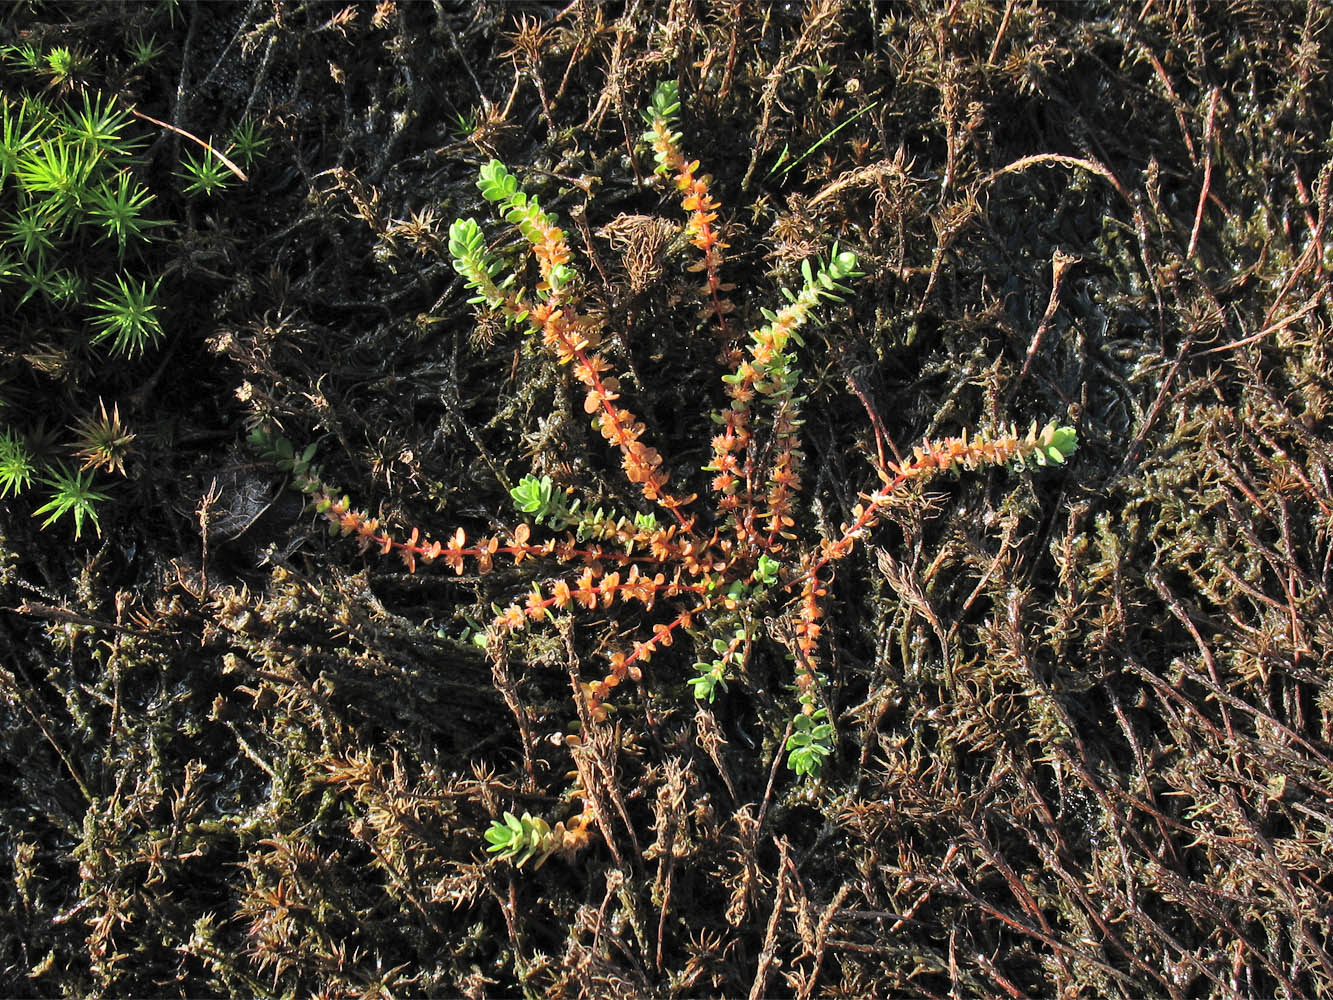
[23,57]
[104,441]
[127,315]
[205,176]
[248,141]
[464,123]
[145,50]
[62,286]
[56,171]
[65,66]
[30,232]
[784,165]
[16,134]
[766,572]
[539,499]
[118,207]
[467,246]
[72,493]
[1055,444]
[664,105]
[99,127]
[523,210]
[16,464]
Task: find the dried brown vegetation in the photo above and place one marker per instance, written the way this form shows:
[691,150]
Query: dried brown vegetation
[1085,722]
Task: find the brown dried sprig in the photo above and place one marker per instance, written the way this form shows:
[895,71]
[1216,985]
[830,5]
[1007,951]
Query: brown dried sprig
[103,440]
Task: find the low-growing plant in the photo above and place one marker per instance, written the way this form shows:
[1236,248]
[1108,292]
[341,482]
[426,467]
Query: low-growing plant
[716,576]
[127,315]
[74,224]
[520,839]
[16,464]
[66,66]
[72,493]
[204,173]
[145,49]
[248,141]
[75,221]
[210,170]
[102,440]
[119,207]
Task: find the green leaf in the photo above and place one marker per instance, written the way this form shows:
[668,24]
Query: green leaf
[664,104]
[766,573]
